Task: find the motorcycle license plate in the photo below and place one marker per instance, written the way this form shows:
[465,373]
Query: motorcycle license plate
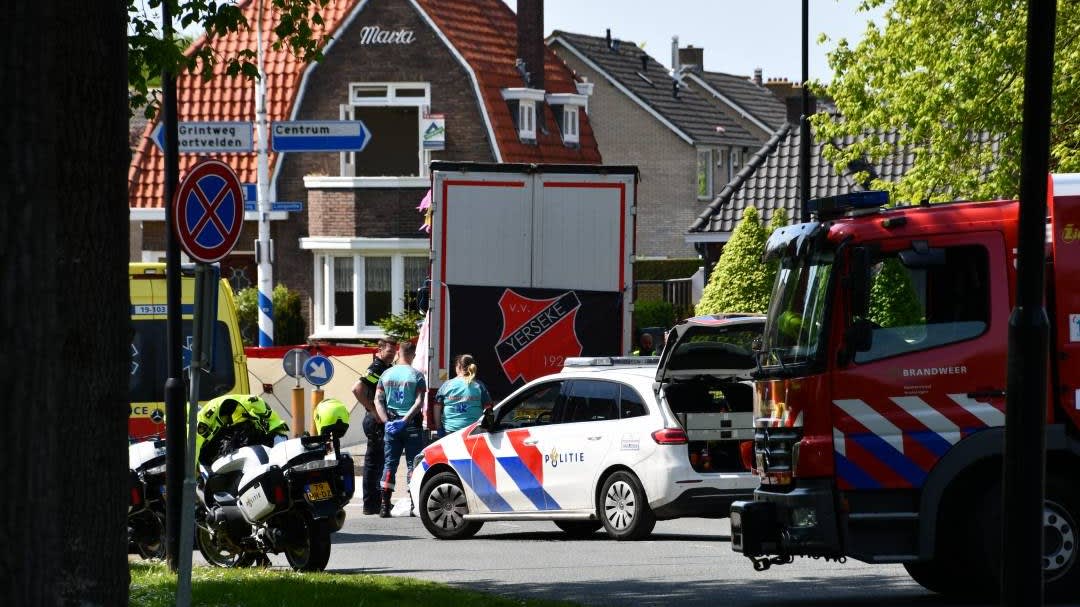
[317,492]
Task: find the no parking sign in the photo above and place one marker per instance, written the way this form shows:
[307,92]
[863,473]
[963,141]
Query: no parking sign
[208,213]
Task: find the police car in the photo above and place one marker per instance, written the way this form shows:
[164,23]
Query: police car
[607,442]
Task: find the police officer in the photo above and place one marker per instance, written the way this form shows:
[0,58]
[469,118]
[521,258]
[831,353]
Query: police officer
[364,391]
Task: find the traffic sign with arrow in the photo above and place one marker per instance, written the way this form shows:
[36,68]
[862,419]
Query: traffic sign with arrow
[318,370]
[320,136]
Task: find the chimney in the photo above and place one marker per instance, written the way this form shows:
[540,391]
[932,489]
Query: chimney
[793,103]
[644,62]
[757,76]
[530,39]
[781,87]
[607,38]
[675,54]
[693,58]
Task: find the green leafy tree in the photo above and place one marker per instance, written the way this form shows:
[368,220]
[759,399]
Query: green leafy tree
[740,282]
[289,325]
[893,300]
[295,26]
[947,77]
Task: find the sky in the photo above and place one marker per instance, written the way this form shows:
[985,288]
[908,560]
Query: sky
[737,35]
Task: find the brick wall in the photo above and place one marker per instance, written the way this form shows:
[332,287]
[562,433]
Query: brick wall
[627,134]
[376,213]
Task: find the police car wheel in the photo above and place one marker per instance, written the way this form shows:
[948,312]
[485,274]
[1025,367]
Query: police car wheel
[623,508]
[443,508]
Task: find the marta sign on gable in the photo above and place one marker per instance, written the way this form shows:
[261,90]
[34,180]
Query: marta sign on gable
[373,34]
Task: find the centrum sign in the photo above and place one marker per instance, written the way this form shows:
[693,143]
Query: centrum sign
[320,136]
[202,137]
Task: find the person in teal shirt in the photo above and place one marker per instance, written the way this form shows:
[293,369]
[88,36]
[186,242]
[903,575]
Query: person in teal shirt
[463,399]
[399,399]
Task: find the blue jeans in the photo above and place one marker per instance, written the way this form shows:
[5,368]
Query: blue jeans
[411,442]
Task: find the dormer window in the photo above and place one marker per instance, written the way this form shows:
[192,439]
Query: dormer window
[523,106]
[567,108]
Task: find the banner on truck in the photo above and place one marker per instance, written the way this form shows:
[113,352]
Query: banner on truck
[520,334]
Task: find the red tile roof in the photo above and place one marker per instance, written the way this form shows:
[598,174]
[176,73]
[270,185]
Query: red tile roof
[483,31]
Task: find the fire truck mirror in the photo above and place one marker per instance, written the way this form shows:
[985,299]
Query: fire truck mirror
[860,282]
[860,335]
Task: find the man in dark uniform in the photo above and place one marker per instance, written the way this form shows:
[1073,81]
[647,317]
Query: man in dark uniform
[364,391]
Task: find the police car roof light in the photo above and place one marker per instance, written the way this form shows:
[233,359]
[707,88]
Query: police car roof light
[610,361]
[843,204]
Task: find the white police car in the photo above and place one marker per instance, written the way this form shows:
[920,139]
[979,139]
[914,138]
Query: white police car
[618,443]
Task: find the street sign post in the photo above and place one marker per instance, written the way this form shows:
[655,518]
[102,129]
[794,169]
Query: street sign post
[320,136]
[294,362]
[204,137]
[208,214]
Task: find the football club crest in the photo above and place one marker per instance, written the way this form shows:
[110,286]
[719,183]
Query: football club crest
[537,334]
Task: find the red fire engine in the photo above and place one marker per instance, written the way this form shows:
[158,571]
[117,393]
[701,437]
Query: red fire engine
[880,399]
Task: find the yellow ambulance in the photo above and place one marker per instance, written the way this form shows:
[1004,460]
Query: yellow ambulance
[149,363]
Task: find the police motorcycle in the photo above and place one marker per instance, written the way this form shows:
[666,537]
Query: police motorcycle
[264,494]
[146,506]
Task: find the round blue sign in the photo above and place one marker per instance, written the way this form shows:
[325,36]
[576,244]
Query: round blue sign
[318,370]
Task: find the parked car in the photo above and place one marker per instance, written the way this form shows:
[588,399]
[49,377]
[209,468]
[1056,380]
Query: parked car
[617,443]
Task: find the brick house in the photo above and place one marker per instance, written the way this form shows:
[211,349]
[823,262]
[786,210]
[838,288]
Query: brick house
[356,250]
[689,131]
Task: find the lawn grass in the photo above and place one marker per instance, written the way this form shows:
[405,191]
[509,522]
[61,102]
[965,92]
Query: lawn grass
[152,585]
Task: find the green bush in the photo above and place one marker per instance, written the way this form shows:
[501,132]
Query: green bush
[654,314]
[740,282]
[404,326]
[289,325]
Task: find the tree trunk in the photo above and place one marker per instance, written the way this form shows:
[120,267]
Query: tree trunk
[64,324]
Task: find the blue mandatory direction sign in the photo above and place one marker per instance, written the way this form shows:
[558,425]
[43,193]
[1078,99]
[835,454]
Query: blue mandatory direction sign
[318,370]
[319,136]
[208,213]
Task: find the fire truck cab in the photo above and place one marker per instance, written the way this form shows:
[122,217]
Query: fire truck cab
[880,400]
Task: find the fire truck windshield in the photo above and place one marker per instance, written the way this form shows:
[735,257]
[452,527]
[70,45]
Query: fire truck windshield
[796,322]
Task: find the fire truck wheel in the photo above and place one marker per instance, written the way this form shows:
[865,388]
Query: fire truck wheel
[1061,515]
[623,507]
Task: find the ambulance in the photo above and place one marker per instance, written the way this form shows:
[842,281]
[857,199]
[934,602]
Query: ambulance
[149,361]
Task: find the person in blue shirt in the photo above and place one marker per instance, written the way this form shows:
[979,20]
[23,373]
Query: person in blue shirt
[399,400]
[463,399]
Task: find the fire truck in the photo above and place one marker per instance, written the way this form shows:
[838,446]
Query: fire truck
[880,393]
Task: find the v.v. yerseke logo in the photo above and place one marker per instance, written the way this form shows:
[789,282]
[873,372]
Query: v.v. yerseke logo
[537,334]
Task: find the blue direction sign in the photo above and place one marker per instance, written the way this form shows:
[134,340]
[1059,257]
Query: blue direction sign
[202,137]
[319,136]
[251,192]
[288,207]
[208,213]
[318,370]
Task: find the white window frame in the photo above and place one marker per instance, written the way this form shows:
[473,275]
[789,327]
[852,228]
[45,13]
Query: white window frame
[735,162]
[325,249]
[710,174]
[392,97]
[526,110]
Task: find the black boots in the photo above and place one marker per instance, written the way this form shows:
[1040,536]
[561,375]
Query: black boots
[384,509]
